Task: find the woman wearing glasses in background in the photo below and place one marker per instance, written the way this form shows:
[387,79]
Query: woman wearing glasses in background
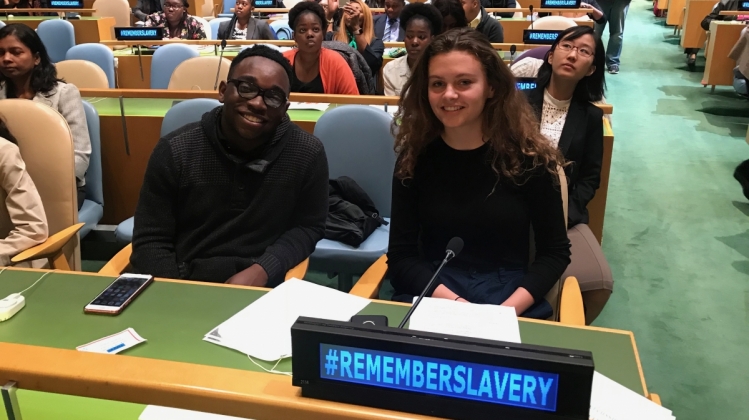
[247,27]
[569,79]
[178,23]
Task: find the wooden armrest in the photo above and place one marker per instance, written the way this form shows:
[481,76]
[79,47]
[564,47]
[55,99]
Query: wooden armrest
[655,398]
[299,271]
[369,283]
[118,264]
[49,248]
[572,311]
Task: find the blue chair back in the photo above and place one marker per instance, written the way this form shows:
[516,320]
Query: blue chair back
[228,5]
[58,36]
[359,145]
[214,24]
[97,54]
[165,60]
[94,188]
[186,112]
[282,29]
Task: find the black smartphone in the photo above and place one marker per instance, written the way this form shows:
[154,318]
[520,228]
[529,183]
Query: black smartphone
[371,320]
[115,298]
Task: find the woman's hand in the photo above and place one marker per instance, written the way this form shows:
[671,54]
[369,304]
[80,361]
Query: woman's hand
[351,18]
[521,300]
[442,292]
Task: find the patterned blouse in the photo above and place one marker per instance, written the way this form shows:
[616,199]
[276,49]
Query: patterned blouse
[191,27]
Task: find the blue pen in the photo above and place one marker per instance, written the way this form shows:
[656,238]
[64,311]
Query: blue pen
[116,347]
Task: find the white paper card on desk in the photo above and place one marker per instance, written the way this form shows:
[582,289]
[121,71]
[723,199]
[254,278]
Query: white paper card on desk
[611,401]
[313,106]
[444,316]
[263,329]
[114,343]
[157,412]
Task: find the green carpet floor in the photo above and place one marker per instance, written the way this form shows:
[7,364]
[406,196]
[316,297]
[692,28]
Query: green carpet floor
[677,225]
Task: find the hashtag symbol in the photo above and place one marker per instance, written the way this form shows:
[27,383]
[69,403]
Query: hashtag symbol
[331,362]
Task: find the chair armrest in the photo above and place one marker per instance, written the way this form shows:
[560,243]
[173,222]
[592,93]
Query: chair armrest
[572,311]
[369,283]
[50,247]
[299,271]
[655,398]
[118,263]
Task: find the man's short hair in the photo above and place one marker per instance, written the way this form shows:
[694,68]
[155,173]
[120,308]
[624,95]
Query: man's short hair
[306,7]
[266,52]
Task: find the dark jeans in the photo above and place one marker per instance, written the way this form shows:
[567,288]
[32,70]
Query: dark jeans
[81,196]
[490,287]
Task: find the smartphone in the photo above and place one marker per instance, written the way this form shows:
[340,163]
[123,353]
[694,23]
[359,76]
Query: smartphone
[115,298]
[342,3]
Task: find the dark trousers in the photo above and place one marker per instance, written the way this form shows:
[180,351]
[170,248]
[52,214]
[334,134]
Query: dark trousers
[81,196]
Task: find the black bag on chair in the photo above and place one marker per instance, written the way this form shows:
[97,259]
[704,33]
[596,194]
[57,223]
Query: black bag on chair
[352,215]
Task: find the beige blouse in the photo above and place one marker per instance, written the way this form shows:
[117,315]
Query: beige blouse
[23,223]
[395,74]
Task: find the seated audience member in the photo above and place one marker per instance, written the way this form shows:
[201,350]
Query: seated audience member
[473,164]
[332,14]
[420,22]
[722,5]
[239,197]
[23,223]
[387,27]
[481,21]
[500,4]
[143,8]
[26,72]
[316,69]
[8,5]
[247,27]
[178,23]
[572,77]
[453,15]
[358,31]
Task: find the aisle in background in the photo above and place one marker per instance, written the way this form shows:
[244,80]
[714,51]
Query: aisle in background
[677,225]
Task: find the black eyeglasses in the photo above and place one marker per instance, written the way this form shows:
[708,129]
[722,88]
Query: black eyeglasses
[273,98]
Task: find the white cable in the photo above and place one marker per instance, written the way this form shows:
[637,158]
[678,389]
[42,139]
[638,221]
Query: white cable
[273,369]
[37,281]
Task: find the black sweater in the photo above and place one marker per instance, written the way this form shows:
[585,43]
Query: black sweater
[490,27]
[203,214]
[451,195]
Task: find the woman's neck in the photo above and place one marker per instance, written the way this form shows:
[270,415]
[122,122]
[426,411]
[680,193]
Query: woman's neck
[468,137]
[561,90]
[243,22]
[307,59]
[22,88]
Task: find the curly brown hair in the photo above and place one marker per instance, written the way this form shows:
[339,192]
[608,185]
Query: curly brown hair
[509,124]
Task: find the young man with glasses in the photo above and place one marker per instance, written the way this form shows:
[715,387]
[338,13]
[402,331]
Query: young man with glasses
[239,197]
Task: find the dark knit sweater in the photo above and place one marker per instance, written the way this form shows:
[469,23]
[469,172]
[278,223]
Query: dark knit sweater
[203,214]
[451,195]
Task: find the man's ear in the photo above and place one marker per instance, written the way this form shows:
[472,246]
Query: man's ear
[221,91]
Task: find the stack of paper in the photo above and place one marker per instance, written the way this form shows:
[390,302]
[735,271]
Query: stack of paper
[444,316]
[263,329]
[612,401]
[390,109]
[156,412]
[310,106]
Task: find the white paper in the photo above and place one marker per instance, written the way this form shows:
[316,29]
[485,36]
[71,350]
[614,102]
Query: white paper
[611,401]
[156,412]
[391,109]
[263,329]
[114,343]
[313,106]
[444,316]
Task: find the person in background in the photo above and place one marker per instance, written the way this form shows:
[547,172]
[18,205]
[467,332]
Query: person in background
[571,77]
[23,223]
[6,6]
[316,69]
[481,21]
[239,197]
[387,27]
[26,72]
[179,24]
[453,15]
[247,27]
[722,5]
[143,8]
[595,12]
[616,13]
[358,31]
[420,23]
[332,14]
[473,164]
[503,4]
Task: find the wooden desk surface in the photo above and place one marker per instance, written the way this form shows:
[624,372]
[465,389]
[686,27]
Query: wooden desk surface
[87,29]
[718,66]
[692,34]
[176,368]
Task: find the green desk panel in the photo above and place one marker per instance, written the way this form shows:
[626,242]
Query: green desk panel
[174,317]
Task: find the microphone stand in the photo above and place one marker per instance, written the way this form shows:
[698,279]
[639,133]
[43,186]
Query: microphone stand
[448,257]
[232,24]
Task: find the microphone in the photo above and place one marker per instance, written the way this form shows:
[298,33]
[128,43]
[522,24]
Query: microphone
[453,249]
[232,25]
[513,48]
[530,7]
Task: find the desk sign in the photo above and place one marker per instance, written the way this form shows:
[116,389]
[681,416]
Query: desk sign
[439,375]
[139,34]
[540,36]
[66,4]
[743,6]
[525,83]
[560,4]
[265,4]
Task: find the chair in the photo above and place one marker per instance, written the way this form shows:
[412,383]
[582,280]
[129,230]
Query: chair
[58,36]
[97,54]
[92,209]
[558,23]
[282,29]
[183,113]
[165,60]
[538,52]
[83,74]
[214,24]
[369,160]
[49,161]
[199,73]
[118,9]
[206,27]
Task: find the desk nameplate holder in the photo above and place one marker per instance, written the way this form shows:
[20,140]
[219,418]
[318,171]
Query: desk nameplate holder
[433,374]
[743,6]
[540,36]
[560,4]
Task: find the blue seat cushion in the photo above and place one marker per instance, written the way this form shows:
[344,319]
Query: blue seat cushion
[124,231]
[335,256]
[90,214]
